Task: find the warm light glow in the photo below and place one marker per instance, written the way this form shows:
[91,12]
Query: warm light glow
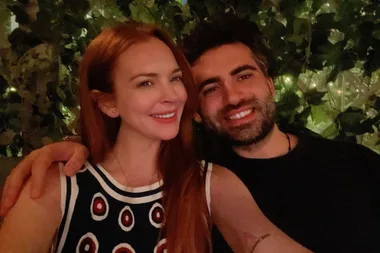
[11,89]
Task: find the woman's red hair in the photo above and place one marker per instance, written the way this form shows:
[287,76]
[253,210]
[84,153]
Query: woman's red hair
[186,225]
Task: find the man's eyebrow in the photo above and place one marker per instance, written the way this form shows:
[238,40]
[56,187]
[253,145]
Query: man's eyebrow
[242,68]
[208,81]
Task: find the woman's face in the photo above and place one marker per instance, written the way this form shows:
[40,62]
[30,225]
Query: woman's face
[149,92]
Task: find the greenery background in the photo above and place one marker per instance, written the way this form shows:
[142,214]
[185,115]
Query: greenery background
[327,54]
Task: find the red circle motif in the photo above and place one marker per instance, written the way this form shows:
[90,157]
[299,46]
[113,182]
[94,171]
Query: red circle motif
[99,206]
[87,245]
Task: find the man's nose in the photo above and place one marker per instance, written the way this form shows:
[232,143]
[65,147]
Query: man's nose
[232,94]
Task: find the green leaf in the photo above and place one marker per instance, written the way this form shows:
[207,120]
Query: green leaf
[376,32]
[141,14]
[295,38]
[300,25]
[350,119]
[148,3]
[46,140]
[61,94]
[6,137]
[314,97]
[331,131]
[326,21]
[301,118]
[211,6]
[189,26]
[25,94]
[289,101]
[317,4]
[186,11]
[21,16]
[318,114]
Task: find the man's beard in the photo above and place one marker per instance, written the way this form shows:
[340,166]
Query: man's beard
[250,133]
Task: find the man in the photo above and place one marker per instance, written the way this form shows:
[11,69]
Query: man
[324,194]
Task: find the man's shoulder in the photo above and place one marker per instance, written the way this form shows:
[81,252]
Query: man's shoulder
[337,148]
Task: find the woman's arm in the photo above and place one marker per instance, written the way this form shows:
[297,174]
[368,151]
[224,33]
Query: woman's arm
[31,224]
[241,222]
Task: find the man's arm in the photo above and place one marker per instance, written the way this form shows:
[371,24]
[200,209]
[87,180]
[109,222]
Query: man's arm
[31,224]
[241,222]
[36,165]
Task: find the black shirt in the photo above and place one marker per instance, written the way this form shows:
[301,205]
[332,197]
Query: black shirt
[324,194]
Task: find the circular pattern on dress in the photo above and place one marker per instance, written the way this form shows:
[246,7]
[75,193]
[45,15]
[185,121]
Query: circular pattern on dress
[126,219]
[156,215]
[161,247]
[99,207]
[123,248]
[87,244]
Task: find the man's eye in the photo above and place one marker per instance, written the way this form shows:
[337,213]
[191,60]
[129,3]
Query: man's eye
[209,90]
[244,77]
[145,84]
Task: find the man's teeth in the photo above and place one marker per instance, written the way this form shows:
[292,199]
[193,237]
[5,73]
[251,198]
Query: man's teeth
[241,114]
[164,116]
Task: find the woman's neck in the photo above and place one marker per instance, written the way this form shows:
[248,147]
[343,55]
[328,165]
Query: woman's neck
[133,159]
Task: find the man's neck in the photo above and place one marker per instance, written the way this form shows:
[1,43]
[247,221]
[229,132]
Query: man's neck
[275,144]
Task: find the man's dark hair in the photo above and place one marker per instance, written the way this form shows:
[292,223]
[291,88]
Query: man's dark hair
[227,28]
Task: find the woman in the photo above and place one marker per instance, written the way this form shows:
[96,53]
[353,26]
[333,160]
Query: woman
[143,189]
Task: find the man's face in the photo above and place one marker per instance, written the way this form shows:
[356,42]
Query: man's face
[236,98]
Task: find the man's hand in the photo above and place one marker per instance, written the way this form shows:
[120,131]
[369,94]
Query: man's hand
[36,165]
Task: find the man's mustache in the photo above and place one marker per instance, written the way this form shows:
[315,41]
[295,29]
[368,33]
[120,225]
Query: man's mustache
[254,102]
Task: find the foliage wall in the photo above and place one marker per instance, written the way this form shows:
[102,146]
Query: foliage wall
[327,54]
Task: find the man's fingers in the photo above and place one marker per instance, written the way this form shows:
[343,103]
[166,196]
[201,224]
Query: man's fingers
[39,169]
[37,163]
[2,207]
[76,161]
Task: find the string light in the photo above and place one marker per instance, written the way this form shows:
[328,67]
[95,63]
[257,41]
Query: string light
[12,89]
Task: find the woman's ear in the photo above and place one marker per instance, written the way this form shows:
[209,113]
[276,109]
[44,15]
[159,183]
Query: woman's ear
[106,103]
[198,118]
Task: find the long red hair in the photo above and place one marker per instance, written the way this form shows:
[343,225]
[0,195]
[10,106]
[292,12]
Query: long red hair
[187,221]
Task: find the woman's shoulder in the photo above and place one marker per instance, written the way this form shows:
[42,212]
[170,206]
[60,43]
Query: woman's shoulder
[220,178]
[216,170]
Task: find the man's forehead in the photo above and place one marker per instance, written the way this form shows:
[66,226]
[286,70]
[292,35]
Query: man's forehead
[223,59]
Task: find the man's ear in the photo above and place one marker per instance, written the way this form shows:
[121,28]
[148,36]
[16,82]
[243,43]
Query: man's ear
[271,87]
[198,118]
[106,103]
